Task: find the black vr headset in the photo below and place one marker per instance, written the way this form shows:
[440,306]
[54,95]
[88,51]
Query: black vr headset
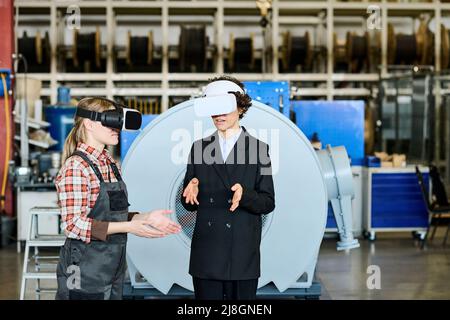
[121,117]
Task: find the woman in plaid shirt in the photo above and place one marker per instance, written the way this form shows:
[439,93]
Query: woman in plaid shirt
[94,209]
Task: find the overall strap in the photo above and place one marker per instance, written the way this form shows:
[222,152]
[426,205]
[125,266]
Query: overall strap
[91,164]
[116,171]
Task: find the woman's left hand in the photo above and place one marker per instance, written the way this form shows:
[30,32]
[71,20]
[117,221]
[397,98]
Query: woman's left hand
[159,220]
[238,190]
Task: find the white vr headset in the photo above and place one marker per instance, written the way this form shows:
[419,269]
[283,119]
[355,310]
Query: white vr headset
[217,99]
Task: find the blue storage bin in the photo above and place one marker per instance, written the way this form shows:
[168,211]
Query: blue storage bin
[397,201]
[61,119]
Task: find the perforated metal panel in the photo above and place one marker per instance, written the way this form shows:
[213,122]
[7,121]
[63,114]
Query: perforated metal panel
[187,219]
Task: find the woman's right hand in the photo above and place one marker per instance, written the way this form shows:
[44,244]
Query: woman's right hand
[191,191]
[143,228]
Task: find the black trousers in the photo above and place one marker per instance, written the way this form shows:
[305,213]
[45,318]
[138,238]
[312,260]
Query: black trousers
[205,289]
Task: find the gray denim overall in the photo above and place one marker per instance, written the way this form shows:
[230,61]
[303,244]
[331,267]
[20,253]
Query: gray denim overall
[96,270]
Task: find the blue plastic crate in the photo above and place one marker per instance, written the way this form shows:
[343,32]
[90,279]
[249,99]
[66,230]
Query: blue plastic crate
[271,93]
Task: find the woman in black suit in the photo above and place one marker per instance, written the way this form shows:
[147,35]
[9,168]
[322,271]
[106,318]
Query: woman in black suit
[229,182]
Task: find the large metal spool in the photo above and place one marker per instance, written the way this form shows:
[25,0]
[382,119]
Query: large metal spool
[425,41]
[429,48]
[426,45]
[413,48]
[445,47]
[139,50]
[296,51]
[86,48]
[354,53]
[35,49]
[358,51]
[241,52]
[193,48]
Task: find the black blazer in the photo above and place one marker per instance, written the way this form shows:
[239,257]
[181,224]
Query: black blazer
[225,245]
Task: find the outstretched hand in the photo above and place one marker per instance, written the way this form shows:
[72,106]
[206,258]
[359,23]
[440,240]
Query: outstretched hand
[159,220]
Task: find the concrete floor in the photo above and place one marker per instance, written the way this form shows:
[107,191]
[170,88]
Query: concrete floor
[406,271]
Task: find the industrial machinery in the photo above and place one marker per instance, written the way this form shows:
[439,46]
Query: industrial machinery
[271,93]
[304,181]
[406,111]
[317,120]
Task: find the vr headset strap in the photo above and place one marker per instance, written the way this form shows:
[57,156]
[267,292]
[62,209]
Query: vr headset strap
[92,115]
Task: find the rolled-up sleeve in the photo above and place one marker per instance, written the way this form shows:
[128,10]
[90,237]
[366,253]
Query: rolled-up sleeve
[72,188]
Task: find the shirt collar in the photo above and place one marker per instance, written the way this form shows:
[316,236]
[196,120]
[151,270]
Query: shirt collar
[231,139]
[93,153]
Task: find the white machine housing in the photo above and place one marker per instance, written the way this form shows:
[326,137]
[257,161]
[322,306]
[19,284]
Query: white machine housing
[291,235]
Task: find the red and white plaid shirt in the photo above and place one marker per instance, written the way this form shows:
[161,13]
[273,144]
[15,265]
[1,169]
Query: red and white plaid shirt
[78,187]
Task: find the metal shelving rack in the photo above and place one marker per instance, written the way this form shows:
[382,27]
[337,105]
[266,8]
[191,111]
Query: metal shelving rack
[280,16]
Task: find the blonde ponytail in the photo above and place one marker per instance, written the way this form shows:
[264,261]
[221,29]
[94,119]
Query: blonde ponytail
[78,134]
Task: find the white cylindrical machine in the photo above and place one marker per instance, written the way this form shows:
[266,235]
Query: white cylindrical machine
[154,170]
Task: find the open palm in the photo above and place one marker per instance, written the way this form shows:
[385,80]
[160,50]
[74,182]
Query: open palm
[160,220]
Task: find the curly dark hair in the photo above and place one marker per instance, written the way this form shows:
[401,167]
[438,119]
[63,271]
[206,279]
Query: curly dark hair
[244,102]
